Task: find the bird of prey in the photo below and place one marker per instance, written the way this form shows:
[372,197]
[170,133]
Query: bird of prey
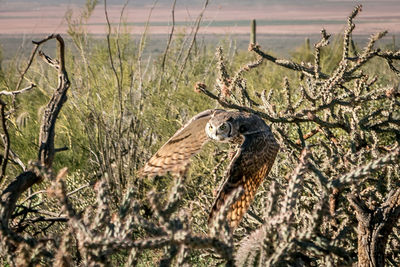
[257,149]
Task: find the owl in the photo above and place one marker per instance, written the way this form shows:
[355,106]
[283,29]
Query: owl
[257,149]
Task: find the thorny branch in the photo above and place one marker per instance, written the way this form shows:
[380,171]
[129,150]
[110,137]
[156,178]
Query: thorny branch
[346,117]
[374,227]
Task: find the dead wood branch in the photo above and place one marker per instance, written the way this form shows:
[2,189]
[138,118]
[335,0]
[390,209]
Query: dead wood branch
[6,141]
[30,60]
[25,180]
[47,129]
[374,227]
[17,92]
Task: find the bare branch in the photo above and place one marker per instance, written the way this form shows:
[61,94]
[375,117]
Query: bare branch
[169,37]
[30,60]
[13,93]
[197,27]
[6,141]
[46,136]
[11,194]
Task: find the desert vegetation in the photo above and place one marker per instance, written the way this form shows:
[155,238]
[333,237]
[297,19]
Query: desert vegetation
[78,123]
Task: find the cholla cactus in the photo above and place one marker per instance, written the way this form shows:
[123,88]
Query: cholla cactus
[348,124]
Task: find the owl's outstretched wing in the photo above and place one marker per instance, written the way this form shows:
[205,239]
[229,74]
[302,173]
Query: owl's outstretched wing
[248,168]
[174,155]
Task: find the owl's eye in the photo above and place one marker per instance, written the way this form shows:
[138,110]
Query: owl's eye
[222,127]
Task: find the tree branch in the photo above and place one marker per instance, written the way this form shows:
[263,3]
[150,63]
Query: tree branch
[25,180]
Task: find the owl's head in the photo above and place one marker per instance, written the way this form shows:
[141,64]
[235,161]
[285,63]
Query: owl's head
[219,130]
[223,127]
[232,126]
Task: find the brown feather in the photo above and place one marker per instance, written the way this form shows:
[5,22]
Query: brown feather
[174,156]
[249,167]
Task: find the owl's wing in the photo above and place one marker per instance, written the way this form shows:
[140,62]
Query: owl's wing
[174,155]
[248,168]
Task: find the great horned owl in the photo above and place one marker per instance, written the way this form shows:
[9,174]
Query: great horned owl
[253,160]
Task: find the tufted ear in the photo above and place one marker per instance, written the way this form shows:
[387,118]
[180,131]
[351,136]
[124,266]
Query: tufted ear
[216,111]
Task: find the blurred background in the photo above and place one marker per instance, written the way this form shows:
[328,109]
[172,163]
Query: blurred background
[281,25]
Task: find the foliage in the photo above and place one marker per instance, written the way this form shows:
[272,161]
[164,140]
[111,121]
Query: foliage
[335,115]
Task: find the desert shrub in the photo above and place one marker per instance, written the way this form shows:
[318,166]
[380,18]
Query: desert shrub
[334,110]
